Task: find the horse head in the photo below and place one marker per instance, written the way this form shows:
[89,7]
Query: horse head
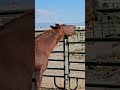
[67,30]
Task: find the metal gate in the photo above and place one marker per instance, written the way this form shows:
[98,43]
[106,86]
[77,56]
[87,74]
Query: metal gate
[78,40]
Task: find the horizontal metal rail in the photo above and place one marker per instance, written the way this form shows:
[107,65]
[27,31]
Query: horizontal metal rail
[77,62]
[56,68]
[76,42]
[53,76]
[76,70]
[57,52]
[76,78]
[76,52]
[103,39]
[111,10]
[102,85]
[80,30]
[101,64]
[56,60]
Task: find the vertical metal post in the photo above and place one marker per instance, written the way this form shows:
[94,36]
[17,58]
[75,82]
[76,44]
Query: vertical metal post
[77,36]
[68,61]
[64,64]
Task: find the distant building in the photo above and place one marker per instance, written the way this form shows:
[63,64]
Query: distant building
[77,28]
[80,27]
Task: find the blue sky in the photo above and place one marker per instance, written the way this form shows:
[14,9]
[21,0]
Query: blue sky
[60,11]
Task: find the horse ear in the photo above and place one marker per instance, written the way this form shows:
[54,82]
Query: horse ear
[53,27]
[57,26]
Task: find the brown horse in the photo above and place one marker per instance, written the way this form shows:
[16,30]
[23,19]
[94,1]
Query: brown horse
[44,44]
[17,53]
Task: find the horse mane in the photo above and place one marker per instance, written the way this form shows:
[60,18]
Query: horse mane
[48,33]
[30,12]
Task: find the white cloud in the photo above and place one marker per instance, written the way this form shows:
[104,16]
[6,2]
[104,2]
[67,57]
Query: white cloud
[44,15]
[45,12]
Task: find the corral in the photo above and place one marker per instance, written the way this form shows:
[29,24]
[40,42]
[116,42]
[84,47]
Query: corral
[66,69]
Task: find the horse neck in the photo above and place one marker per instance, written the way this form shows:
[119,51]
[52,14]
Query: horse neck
[55,39]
